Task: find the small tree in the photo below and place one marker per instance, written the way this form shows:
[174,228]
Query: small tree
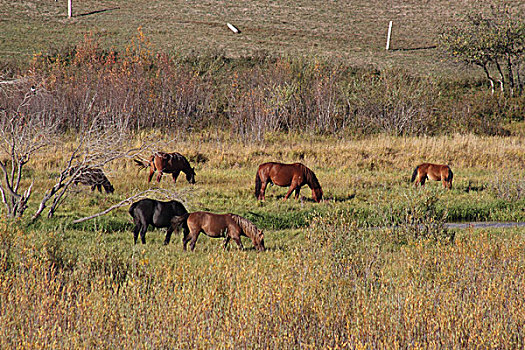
[98,142]
[28,125]
[22,134]
[494,41]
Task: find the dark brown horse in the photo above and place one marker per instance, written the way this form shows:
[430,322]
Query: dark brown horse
[230,226]
[294,175]
[170,163]
[436,172]
[93,177]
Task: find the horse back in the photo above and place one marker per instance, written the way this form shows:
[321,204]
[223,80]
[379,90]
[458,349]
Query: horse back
[283,174]
[170,162]
[156,213]
[213,225]
[142,210]
[435,171]
[163,212]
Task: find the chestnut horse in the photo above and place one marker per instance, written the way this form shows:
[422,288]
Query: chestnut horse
[230,226]
[436,172]
[294,175]
[170,163]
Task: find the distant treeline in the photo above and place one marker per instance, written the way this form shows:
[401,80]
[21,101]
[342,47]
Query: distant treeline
[250,96]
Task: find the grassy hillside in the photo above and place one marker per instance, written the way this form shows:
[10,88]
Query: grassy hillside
[353,31]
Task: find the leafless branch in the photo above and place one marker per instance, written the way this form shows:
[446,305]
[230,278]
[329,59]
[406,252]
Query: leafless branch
[128,200]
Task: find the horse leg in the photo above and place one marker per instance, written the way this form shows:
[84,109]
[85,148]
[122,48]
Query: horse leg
[226,240]
[159,176]
[262,192]
[151,172]
[143,234]
[194,240]
[185,239]
[175,175]
[423,180]
[169,231]
[136,231]
[237,239]
[235,234]
[192,235]
[297,191]
[290,190]
[418,180]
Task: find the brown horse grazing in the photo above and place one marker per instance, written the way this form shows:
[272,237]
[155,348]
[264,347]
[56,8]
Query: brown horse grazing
[436,172]
[170,163]
[294,175]
[230,226]
[93,177]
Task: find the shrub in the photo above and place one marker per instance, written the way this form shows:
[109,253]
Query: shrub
[508,186]
[422,218]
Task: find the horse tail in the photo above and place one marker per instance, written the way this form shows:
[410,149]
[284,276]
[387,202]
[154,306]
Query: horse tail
[414,174]
[143,164]
[180,221]
[132,208]
[258,184]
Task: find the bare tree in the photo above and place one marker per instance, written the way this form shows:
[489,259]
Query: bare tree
[493,41]
[28,125]
[99,142]
[22,134]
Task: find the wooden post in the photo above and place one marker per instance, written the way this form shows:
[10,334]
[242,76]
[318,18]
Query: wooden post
[69,8]
[389,35]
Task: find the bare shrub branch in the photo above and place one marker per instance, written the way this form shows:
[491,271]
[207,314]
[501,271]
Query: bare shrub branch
[167,195]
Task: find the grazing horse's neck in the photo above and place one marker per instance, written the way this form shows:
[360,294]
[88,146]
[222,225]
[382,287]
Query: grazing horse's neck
[311,180]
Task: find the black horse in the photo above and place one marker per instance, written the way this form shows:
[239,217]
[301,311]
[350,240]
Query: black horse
[157,213]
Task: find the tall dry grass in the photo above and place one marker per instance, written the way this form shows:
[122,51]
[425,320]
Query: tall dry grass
[340,288]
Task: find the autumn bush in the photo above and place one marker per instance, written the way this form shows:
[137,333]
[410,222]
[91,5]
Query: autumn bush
[250,96]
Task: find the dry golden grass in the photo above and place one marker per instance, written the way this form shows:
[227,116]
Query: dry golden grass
[419,295]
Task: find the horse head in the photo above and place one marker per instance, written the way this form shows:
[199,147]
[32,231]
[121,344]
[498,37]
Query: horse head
[317,193]
[190,175]
[259,241]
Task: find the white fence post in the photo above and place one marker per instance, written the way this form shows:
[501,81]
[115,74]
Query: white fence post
[69,8]
[388,35]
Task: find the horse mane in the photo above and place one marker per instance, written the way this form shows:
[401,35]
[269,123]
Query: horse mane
[311,179]
[247,226]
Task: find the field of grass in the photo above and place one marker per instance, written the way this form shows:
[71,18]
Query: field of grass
[326,280]
[351,31]
[366,176]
